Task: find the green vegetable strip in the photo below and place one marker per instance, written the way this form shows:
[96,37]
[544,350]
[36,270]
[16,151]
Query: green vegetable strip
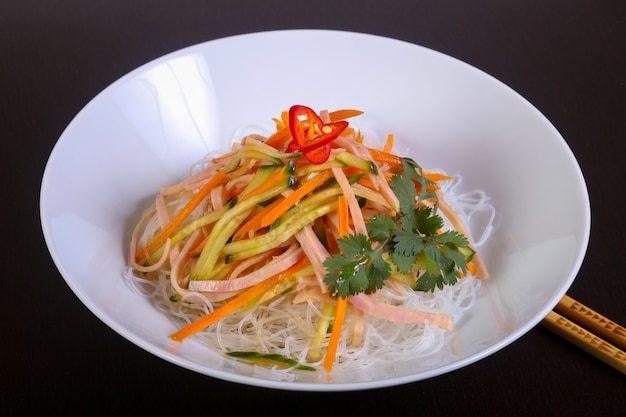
[294,220]
[371,196]
[260,152]
[262,175]
[317,198]
[311,168]
[271,358]
[280,288]
[323,325]
[251,154]
[269,151]
[220,270]
[211,251]
[356,162]
[224,229]
[290,224]
[190,228]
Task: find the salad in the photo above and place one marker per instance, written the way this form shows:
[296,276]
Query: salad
[308,249]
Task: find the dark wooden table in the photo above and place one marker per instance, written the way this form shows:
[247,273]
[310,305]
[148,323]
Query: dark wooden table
[568,58]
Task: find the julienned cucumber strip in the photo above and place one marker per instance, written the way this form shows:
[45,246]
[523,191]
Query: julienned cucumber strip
[356,162]
[279,232]
[291,223]
[190,228]
[260,152]
[263,174]
[270,358]
[227,225]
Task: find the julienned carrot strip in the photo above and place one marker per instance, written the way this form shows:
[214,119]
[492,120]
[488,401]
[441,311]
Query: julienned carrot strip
[238,301]
[385,157]
[343,215]
[434,176]
[348,131]
[198,249]
[366,182]
[352,171]
[471,268]
[389,144]
[235,191]
[180,216]
[224,157]
[331,240]
[394,160]
[331,351]
[283,121]
[242,169]
[294,197]
[278,139]
[255,221]
[343,114]
[278,175]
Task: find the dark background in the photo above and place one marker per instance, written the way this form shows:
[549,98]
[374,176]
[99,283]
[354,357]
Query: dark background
[566,57]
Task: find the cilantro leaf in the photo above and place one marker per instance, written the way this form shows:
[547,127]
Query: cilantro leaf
[405,190]
[414,172]
[380,227]
[354,245]
[432,277]
[377,273]
[426,222]
[411,240]
[408,243]
[427,282]
[348,277]
[403,263]
[452,238]
[357,268]
[432,260]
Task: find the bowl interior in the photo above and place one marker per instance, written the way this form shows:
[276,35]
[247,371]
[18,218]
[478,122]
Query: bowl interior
[147,128]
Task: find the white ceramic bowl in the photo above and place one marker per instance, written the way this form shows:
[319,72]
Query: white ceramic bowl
[147,128]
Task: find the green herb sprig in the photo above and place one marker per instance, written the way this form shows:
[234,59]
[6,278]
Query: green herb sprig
[408,242]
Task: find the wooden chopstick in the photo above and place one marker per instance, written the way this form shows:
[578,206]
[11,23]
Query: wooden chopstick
[593,321]
[590,331]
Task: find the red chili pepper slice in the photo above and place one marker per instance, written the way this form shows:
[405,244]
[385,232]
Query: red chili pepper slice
[311,135]
[302,122]
[318,155]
